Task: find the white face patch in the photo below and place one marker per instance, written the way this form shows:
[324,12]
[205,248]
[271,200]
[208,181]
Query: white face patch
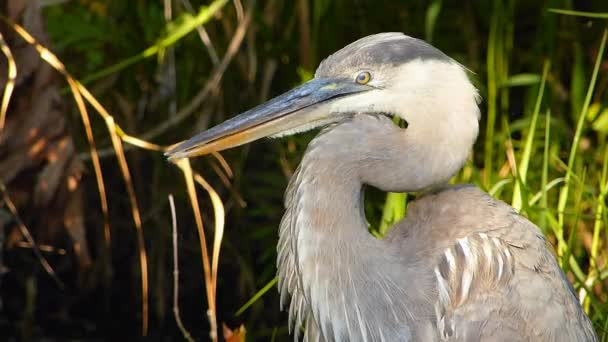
[430,89]
[434,97]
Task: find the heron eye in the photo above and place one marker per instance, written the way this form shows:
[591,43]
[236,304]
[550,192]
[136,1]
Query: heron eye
[364,77]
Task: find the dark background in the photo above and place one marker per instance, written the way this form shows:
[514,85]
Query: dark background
[55,191]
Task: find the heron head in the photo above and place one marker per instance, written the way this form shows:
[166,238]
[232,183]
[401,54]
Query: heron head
[385,74]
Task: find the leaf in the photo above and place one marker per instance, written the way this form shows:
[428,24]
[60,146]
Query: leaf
[393,211]
[598,15]
[305,75]
[520,80]
[601,124]
[236,335]
[593,111]
[257,296]
[187,23]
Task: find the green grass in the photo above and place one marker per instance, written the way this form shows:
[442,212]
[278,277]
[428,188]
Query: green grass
[541,68]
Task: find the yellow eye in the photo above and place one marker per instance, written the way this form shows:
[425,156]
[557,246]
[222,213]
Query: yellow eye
[364,77]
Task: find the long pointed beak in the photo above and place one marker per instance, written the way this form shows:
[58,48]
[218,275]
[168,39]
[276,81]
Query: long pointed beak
[297,108]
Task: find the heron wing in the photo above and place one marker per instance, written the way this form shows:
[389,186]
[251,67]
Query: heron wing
[505,285]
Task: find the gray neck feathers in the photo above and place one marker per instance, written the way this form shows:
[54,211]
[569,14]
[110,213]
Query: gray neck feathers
[329,263]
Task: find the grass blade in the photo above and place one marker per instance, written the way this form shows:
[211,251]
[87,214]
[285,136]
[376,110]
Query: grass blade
[393,211]
[492,96]
[10,82]
[176,314]
[432,12]
[218,213]
[176,30]
[545,174]
[117,135]
[597,15]
[518,193]
[597,227]
[520,80]
[141,246]
[257,296]
[47,56]
[563,196]
[184,165]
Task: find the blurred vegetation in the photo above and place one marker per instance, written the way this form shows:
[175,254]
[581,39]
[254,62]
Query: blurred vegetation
[542,147]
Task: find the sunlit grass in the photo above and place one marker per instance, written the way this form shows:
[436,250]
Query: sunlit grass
[548,158]
[117,137]
[10,81]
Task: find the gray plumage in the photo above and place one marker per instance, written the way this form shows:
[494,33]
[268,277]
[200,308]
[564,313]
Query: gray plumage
[349,286]
[461,266]
[388,49]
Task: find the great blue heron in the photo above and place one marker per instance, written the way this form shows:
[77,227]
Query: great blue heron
[461,266]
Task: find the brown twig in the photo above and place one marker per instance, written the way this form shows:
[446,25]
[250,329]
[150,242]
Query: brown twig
[178,319]
[53,61]
[79,91]
[238,6]
[239,199]
[184,165]
[28,237]
[218,214]
[143,259]
[118,136]
[210,268]
[42,248]
[304,26]
[223,163]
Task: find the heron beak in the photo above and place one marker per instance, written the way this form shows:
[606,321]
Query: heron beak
[294,109]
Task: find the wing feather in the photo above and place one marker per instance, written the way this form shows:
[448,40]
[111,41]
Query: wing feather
[493,289]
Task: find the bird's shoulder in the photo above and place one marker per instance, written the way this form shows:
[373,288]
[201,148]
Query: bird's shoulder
[454,212]
[495,273]
[466,220]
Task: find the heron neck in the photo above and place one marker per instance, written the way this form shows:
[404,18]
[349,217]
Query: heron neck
[341,271]
[331,222]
